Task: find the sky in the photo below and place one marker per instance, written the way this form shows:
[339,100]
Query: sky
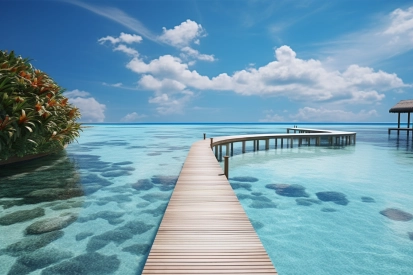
[240,61]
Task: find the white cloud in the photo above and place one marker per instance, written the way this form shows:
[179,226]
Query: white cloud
[125,49]
[171,104]
[391,36]
[332,115]
[148,82]
[132,117]
[287,76]
[188,52]
[123,38]
[76,93]
[401,21]
[89,107]
[182,35]
[130,38]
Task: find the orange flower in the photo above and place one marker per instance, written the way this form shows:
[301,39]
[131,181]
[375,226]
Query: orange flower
[51,103]
[19,99]
[23,118]
[63,102]
[72,112]
[4,123]
[38,107]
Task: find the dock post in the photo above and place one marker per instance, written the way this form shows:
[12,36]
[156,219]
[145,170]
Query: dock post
[204,135]
[211,142]
[398,124]
[282,141]
[243,147]
[220,152]
[318,141]
[216,151]
[275,142]
[308,141]
[255,145]
[232,148]
[292,141]
[267,144]
[258,144]
[227,150]
[226,164]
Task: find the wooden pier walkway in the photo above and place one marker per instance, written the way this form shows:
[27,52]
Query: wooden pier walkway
[205,230]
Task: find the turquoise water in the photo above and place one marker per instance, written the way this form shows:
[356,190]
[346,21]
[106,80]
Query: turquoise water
[95,208]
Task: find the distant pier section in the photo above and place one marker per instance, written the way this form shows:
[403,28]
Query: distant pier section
[294,137]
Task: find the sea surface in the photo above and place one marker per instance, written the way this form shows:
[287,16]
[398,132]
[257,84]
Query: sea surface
[95,208]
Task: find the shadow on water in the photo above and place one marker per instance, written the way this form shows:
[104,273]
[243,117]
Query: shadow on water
[53,177]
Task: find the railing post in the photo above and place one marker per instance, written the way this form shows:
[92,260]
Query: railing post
[226,164]
[204,135]
[243,147]
[211,142]
[227,150]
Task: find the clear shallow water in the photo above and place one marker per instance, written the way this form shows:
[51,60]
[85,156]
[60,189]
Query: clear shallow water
[95,208]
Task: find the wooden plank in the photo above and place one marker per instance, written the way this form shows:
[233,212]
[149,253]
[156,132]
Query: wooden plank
[205,229]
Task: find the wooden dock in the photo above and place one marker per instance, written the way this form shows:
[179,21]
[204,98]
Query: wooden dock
[400,129]
[205,229]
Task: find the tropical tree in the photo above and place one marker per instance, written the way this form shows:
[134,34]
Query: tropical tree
[35,117]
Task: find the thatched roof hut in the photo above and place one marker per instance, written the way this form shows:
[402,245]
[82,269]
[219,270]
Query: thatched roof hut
[404,106]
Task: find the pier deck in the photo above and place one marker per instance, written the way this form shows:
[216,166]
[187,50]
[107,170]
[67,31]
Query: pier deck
[205,229]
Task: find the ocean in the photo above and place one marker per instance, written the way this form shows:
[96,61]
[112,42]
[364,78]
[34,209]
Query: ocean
[95,207]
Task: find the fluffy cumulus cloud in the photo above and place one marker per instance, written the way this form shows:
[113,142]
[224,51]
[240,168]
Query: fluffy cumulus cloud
[188,53]
[287,76]
[132,117]
[123,38]
[90,108]
[118,43]
[182,35]
[126,49]
[174,83]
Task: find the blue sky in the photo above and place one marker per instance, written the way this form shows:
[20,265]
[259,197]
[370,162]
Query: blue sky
[220,61]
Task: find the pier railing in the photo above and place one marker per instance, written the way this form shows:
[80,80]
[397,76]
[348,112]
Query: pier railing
[294,136]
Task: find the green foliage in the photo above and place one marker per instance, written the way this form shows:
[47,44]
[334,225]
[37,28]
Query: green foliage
[35,117]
